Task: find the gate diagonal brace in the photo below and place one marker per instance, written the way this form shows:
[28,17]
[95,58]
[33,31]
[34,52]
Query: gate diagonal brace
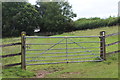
[80,45]
[52,46]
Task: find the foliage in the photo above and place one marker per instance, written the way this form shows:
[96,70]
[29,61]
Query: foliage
[91,23]
[55,16]
[49,17]
[18,17]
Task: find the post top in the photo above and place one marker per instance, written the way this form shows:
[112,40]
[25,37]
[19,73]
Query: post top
[102,33]
[23,33]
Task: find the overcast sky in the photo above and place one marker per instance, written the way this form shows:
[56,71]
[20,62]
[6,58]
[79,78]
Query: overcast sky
[93,8]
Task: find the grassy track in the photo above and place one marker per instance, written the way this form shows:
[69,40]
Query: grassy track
[105,69]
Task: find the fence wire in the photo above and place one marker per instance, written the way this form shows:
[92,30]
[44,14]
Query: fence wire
[114,34]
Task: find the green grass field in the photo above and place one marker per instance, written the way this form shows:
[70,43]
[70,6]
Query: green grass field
[105,69]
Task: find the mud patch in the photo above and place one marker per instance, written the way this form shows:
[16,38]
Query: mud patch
[41,74]
[49,70]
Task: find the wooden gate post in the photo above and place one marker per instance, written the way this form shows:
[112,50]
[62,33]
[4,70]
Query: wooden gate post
[102,45]
[23,64]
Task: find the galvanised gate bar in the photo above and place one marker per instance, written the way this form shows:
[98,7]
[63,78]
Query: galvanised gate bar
[62,49]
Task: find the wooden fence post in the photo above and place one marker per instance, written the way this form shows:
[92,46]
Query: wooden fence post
[102,45]
[23,65]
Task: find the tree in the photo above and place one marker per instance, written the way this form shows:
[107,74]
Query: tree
[18,17]
[55,16]
[49,17]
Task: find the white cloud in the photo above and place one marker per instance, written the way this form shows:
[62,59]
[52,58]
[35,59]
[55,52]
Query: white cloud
[95,8]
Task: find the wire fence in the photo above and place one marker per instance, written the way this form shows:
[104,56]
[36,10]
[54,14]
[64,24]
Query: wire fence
[115,43]
[114,34]
[4,56]
[12,44]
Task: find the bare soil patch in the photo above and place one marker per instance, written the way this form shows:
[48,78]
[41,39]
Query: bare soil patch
[41,74]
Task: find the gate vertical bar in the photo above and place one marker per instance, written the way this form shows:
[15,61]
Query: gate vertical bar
[102,45]
[66,50]
[23,64]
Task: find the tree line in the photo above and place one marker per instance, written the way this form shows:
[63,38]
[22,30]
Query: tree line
[95,22]
[55,17]
[47,16]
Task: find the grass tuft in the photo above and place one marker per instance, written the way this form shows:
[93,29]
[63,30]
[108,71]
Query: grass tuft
[17,72]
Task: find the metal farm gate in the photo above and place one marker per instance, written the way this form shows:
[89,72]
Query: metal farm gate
[59,49]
